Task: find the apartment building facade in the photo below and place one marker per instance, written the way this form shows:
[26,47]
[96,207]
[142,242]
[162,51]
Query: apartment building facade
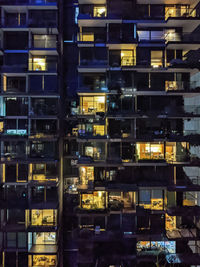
[131,146]
[99,133]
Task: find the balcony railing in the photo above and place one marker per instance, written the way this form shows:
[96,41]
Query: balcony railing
[174,85]
[180,12]
[92,37]
[44,44]
[127,61]
[181,37]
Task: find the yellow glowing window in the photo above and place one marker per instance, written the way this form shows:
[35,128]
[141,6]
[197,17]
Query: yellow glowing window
[170,154]
[100,11]
[1,126]
[150,151]
[170,222]
[39,64]
[127,58]
[157,204]
[44,238]
[181,11]
[99,130]
[92,105]
[156,59]
[87,37]
[86,174]
[43,260]
[43,217]
[93,201]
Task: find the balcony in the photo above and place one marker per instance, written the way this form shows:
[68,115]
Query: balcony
[42,173]
[43,218]
[42,64]
[93,201]
[90,105]
[174,152]
[44,41]
[44,107]
[92,37]
[42,260]
[122,201]
[182,12]
[42,242]
[43,129]
[123,58]
[43,150]
[15,20]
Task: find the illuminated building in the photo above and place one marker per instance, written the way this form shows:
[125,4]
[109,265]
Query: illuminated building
[131,149]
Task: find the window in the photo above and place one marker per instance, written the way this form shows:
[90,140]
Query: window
[86,175]
[44,238]
[93,201]
[150,151]
[127,58]
[100,11]
[87,37]
[11,240]
[22,240]
[151,199]
[156,59]
[43,217]
[37,64]
[92,104]
[43,260]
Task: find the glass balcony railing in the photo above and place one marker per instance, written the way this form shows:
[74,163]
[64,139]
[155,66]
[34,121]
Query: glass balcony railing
[41,43]
[174,85]
[91,37]
[172,36]
[172,12]
[127,61]
[40,64]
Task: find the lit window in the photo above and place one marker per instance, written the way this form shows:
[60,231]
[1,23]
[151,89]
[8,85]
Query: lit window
[93,201]
[43,260]
[170,222]
[44,238]
[38,64]
[170,151]
[43,217]
[127,58]
[100,11]
[87,37]
[156,59]
[86,174]
[93,104]
[150,151]
[99,130]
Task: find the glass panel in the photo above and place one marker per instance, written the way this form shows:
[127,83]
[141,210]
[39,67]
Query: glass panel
[93,104]
[93,201]
[150,151]
[156,59]
[100,11]
[44,238]
[43,217]
[44,260]
[86,175]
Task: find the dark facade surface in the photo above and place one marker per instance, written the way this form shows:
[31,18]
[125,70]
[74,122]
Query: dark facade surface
[99,133]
